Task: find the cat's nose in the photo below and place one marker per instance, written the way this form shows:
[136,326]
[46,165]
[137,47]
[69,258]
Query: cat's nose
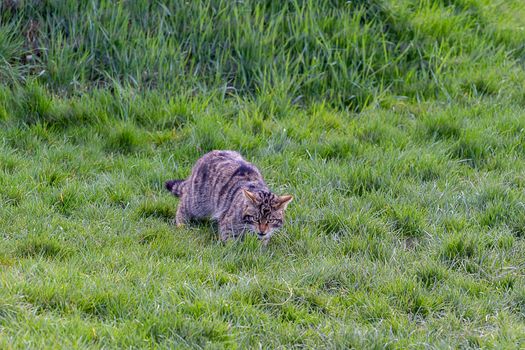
[263,228]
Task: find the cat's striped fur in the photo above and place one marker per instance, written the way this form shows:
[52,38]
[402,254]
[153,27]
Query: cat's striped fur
[225,187]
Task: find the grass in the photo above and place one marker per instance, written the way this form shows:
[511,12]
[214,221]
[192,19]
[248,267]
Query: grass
[397,125]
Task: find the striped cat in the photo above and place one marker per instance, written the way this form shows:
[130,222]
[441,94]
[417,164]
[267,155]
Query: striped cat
[225,187]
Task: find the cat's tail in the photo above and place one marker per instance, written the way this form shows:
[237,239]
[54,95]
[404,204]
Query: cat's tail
[176,187]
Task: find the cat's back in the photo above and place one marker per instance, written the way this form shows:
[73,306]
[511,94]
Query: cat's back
[224,165]
[224,157]
[218,176]
[217,163]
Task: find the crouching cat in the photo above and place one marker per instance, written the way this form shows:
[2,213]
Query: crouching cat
[225,187]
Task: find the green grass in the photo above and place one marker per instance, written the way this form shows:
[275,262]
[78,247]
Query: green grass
[397,125]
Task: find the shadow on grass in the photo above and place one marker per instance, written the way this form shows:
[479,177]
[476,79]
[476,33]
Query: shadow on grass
[44,247]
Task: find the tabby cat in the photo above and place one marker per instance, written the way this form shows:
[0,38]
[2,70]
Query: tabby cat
[225,187]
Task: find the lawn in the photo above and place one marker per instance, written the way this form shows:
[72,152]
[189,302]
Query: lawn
[398,126]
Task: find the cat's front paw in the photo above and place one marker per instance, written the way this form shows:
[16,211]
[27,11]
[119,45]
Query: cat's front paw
[223,237]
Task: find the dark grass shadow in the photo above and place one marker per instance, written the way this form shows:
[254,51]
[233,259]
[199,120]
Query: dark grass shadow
[43,247]
[164,211]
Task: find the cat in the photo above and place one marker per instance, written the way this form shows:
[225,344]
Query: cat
[226,188]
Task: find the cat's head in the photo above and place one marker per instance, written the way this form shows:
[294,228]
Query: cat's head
[264,212]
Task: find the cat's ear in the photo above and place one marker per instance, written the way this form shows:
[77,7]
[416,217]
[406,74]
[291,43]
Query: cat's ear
[251,196]
[284,201]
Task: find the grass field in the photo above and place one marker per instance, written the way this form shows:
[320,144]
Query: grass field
[398,126]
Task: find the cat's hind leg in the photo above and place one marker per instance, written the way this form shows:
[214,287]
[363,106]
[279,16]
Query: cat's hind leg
[182,217]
